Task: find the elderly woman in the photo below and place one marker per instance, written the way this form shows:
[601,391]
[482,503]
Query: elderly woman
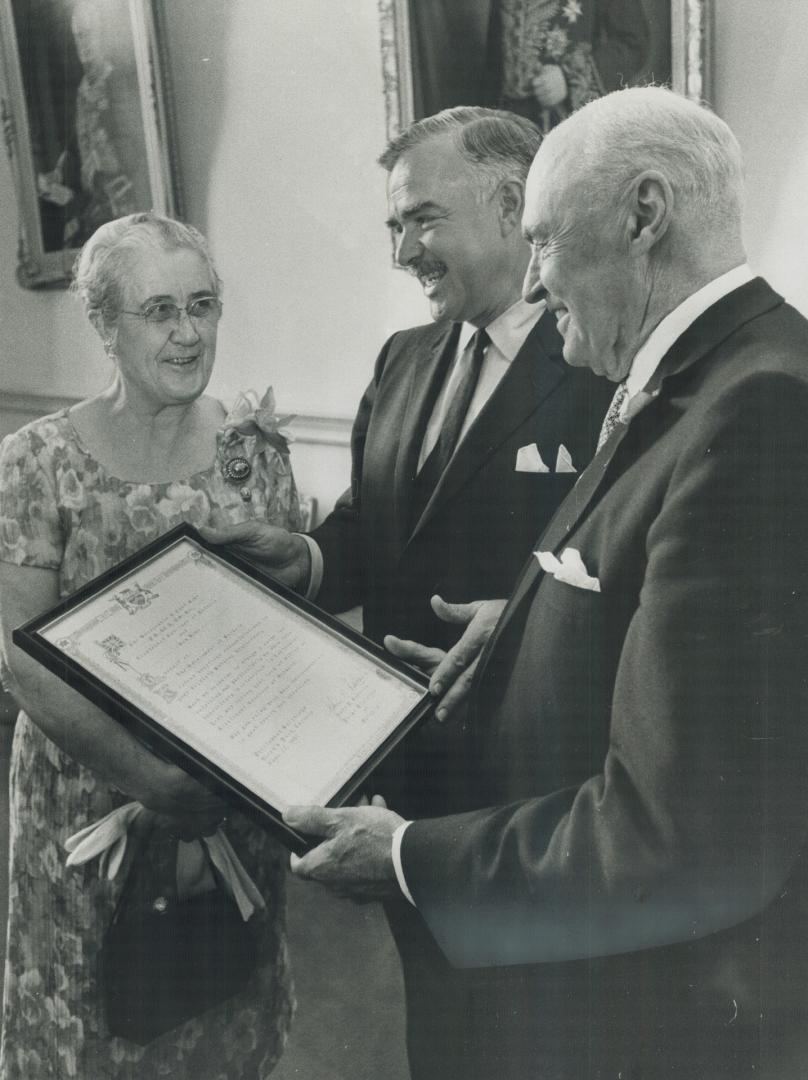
[79,491]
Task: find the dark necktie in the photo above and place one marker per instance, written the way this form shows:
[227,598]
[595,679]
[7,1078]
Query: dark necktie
[452,425]
[441,453]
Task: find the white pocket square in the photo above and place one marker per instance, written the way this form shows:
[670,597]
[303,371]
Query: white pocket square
[528,459]
[570,569]
[564,461]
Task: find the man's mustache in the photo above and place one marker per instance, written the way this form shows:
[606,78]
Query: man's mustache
[423,269]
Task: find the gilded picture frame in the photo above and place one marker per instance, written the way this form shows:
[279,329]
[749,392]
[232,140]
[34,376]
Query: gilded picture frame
[86,113]
[682,36]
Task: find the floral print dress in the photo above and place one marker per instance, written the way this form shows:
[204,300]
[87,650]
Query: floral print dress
[60,509]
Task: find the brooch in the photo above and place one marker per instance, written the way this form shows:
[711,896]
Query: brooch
[236,470]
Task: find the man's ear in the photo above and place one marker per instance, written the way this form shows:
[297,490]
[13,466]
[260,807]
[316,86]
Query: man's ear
[510,203]
[650,210]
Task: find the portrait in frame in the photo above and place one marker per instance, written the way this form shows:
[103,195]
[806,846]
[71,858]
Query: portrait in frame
[86,119]
[540,58]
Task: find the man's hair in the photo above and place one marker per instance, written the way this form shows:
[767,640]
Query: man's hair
[612,139]
[103,263]
[501,145]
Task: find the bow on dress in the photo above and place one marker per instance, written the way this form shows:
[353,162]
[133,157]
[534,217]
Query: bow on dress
[106,840]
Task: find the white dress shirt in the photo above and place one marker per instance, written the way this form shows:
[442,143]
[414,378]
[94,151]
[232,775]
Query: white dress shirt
[508,333]
[674,324]
[643,366]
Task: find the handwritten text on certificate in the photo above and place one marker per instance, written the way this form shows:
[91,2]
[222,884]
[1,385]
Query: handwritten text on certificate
[269,694]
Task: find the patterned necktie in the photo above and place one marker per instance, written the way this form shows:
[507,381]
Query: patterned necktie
[441,453]
[612,417]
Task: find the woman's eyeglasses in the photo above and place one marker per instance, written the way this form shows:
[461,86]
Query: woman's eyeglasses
[162,312]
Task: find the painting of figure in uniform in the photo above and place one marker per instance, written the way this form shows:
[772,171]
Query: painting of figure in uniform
[539,58]
[83,108]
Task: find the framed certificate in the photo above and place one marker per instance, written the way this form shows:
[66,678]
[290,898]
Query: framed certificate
[252,689]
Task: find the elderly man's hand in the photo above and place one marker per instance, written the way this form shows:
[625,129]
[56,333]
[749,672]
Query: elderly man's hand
[355,858]
[279,552]
[451,672]
[550,86]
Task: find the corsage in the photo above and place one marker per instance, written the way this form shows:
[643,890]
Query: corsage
[250,427]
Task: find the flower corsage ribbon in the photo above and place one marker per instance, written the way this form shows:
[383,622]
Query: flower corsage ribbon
[250,418]
[106,840]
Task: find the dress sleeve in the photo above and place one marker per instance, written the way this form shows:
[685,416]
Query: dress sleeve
[30,529]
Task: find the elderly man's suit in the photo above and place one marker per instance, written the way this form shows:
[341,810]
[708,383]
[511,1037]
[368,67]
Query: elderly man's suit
[625,896]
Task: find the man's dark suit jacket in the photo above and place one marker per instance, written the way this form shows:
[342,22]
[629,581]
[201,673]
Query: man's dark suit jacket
[626,892]
[478,527]
[473,536]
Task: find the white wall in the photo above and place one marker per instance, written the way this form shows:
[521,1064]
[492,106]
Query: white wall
[46,346]
[280,120]
[280,117]
[761,90]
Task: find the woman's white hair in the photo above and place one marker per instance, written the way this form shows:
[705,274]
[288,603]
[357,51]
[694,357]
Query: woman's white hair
[613,139]
[103,264]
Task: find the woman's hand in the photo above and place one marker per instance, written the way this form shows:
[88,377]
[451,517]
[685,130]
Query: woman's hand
[181,805]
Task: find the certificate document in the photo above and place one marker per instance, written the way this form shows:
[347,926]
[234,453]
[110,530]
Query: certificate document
[271,692]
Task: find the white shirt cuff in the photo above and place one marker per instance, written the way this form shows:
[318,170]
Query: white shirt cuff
[316,575]
[399,869]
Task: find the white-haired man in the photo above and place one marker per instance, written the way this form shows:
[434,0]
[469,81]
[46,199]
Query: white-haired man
[624,896]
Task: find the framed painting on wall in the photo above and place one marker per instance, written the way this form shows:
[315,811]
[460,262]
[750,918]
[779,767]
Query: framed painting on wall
[85,109]
[539,58]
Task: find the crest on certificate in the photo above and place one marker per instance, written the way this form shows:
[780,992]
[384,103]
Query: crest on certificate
[135,598]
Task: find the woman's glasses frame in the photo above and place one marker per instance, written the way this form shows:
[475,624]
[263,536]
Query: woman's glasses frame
[162,312]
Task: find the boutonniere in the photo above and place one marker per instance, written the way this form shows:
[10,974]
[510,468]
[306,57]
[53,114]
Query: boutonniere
[250,418]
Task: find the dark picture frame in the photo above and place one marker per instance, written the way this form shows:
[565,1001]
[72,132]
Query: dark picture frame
[86,112]
[59,659]
[419,81]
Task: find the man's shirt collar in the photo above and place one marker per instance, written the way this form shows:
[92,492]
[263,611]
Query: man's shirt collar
[677,321]
[509,330]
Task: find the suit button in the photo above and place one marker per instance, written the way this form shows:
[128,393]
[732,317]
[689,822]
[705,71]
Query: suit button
[160,905]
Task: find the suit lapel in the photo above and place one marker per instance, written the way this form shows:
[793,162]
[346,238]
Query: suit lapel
[535,372]
[714,326]
[428,371]
[701,338]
